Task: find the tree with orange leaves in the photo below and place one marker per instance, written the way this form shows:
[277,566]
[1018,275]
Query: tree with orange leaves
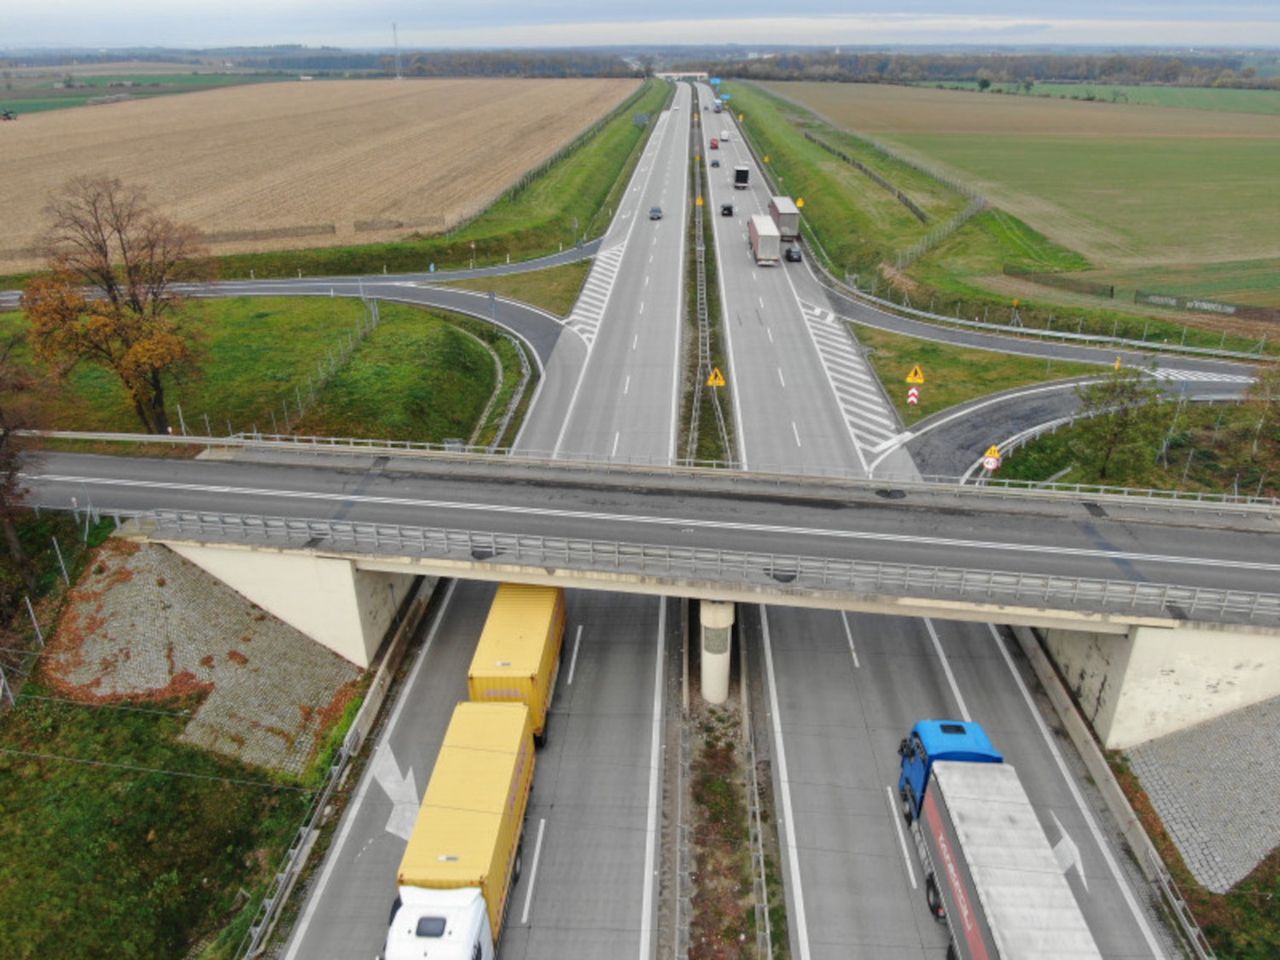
[109,298]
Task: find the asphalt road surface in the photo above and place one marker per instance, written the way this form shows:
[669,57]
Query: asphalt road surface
[843,689]
[588,886]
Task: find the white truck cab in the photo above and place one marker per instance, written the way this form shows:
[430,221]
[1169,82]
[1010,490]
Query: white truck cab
[439,925]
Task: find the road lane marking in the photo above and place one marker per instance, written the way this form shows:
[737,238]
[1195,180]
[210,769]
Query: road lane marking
[946,668]
[815,532]
[533,870]
[1085,812]
[616,436]
[761,299]
[788,818]
[796,433]
[634,341]
[769,331]
[902,837]
[655,769]
[349,818]
[626,387]
[642,302]
[780,380]
[844,616]
[573,661]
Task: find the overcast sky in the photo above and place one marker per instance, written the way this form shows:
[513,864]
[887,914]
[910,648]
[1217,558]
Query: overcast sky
[479,23]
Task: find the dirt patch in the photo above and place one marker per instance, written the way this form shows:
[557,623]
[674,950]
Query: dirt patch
[123,636]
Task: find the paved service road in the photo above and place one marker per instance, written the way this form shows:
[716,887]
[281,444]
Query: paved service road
[843,689]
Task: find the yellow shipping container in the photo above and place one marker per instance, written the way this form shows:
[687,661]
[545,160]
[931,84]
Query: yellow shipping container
[518,656]
[472,814]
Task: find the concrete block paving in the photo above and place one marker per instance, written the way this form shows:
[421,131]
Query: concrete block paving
[143,623]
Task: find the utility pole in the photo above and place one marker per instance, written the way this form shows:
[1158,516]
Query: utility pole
[395,42]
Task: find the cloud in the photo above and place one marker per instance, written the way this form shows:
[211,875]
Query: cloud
[486,23]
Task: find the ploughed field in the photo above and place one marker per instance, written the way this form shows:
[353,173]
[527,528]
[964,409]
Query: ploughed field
[1128,186]
[307,164]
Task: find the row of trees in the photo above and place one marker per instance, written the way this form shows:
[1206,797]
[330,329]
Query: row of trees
[513,63]
[1221,70]
[1121,432]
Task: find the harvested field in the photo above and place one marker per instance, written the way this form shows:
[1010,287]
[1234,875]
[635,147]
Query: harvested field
[279,166]
[1125,185]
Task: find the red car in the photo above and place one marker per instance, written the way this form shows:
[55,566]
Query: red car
[715,144]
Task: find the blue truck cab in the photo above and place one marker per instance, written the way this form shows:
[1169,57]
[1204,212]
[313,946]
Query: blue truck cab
[932,740]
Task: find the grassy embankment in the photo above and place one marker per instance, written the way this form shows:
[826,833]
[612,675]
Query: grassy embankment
[415,377]
[859,234]
[953,374]
[1187,98]
[105,812]
[569,200]
[554,289]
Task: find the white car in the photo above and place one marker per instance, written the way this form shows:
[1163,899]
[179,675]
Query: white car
[724,136]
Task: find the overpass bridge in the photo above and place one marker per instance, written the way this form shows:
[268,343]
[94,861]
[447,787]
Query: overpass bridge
[332,546]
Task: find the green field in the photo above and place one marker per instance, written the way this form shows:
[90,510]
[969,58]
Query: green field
[1190,98]
[952,374]
[401,382]
[37,95]
[1124,200]
[572,199]
[1117,193]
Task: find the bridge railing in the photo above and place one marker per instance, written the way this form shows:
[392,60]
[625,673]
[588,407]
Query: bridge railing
[778,574]
[507,458]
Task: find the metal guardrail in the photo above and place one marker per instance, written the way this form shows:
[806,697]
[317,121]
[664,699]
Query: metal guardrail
[511,458]
[782,573]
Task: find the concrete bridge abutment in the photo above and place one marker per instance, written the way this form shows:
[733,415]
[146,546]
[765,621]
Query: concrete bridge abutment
[330,599]
[1154,681]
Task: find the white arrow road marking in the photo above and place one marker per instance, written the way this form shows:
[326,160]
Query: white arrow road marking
[1067,853]
[402,791]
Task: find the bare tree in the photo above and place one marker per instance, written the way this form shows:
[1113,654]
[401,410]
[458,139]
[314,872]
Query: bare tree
[105,235]
[17,389]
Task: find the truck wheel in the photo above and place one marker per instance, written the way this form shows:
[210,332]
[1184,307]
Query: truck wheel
[519,866]
[934,898]
[908,804]
[951,952]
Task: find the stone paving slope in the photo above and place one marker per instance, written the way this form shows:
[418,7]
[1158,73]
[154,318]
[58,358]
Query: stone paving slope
[145,623]
[1216,786]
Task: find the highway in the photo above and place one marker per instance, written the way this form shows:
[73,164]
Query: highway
[964,528]
[839,689]
[843,689]
[588,888]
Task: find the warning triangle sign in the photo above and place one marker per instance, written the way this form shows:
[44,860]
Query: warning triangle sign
[916,375]
[716,379]
[992,451]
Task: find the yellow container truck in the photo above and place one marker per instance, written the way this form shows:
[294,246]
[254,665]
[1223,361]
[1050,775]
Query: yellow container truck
[463,857]
[518,656]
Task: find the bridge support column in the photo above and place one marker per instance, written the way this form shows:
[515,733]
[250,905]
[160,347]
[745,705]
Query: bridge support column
[1157,680]
[717,633]
[329,599]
